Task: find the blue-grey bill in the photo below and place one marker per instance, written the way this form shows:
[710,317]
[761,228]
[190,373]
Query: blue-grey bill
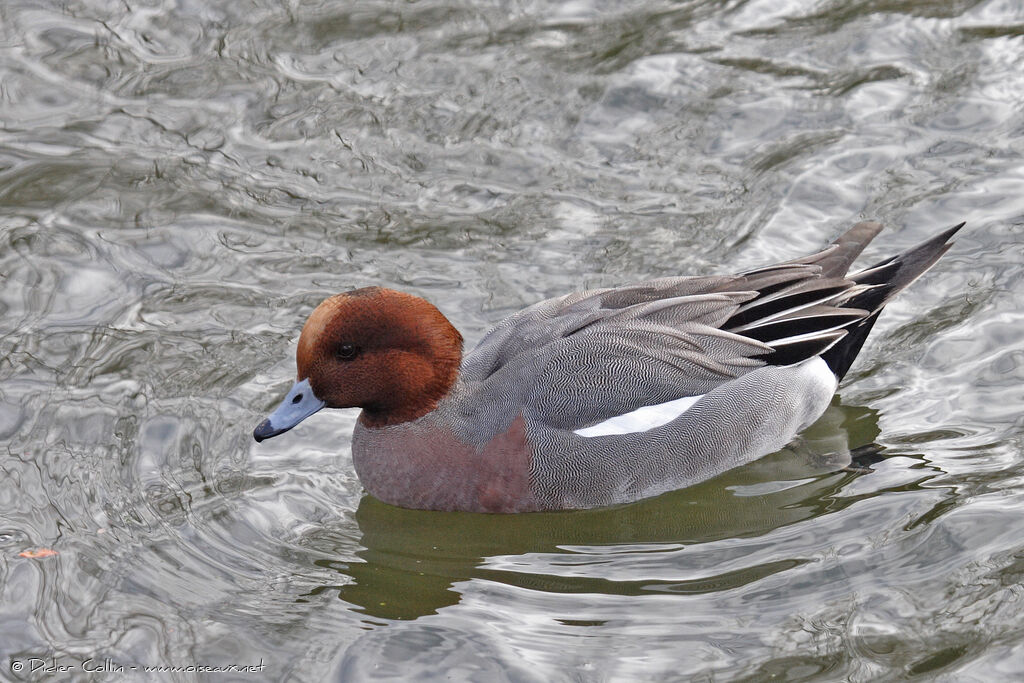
[298,404]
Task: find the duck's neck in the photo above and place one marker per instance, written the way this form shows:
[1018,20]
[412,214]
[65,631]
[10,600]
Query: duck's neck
[413,395]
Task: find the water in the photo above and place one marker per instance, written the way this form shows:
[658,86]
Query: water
[180,182]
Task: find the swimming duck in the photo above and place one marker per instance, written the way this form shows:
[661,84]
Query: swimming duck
[594,398]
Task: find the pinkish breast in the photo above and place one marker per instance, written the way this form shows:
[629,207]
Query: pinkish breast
[424,466]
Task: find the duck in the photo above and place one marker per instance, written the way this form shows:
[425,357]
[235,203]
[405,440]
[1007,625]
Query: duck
[596,398]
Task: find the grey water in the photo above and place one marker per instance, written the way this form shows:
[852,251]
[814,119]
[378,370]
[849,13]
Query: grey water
[181,182]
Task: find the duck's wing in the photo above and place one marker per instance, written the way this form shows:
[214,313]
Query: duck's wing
[553,319]
[659,351]
[593,355]
[523,333]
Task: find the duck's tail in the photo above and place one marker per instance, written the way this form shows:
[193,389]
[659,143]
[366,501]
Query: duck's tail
[884,280]
[812,306]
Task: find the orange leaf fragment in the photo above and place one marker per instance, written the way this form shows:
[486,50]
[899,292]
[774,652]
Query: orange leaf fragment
[35,554]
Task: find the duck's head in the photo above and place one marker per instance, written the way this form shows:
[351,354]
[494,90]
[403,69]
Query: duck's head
[392,354]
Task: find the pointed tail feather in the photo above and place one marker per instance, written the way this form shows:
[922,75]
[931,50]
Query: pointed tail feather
[812,306]
[897,272]
[885,279]
[894,274]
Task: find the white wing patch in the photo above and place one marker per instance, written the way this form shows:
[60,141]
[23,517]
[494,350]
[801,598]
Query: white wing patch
[649,417]
[641,419]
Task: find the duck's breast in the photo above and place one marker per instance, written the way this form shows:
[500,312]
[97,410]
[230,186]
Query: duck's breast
[424,465]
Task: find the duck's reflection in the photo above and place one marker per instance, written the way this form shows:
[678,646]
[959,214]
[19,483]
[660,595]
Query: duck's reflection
[412,558]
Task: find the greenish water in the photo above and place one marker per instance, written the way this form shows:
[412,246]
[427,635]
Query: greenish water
[181,182]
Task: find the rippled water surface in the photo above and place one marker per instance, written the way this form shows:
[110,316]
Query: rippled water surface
[181,182]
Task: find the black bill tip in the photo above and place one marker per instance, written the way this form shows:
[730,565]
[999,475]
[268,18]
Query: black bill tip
[265,430]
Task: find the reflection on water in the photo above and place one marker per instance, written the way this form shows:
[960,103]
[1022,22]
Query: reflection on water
[180,183]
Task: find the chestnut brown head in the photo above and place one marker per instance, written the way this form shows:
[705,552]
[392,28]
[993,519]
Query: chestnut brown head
[392,354]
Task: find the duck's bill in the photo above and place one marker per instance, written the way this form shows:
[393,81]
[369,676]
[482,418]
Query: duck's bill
[298,404]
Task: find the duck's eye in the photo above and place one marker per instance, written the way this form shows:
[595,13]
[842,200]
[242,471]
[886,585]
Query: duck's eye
[346,351]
